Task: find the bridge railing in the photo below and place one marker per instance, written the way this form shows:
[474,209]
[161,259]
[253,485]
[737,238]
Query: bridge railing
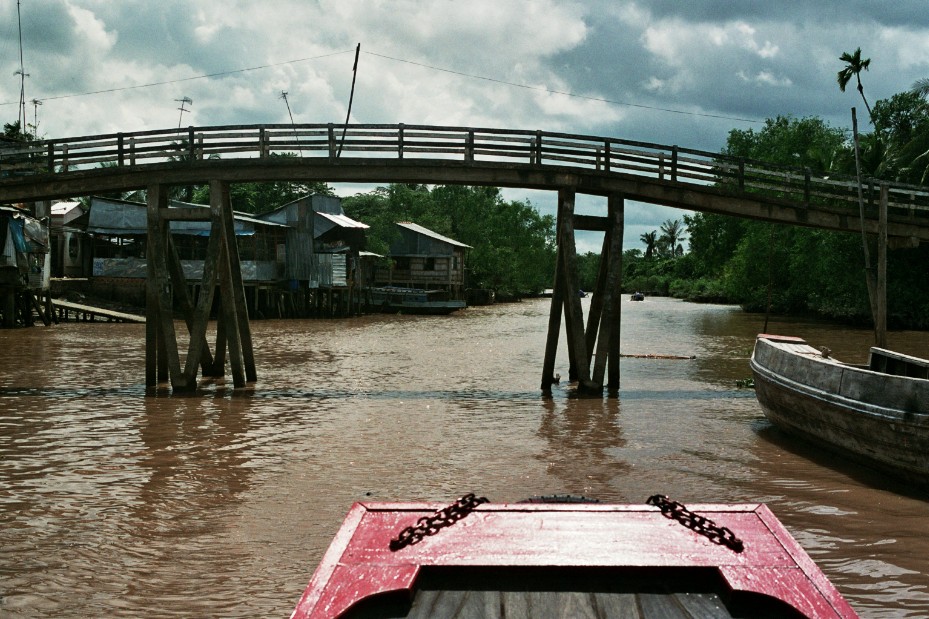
[464,145]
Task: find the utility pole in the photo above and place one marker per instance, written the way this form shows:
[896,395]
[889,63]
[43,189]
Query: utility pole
[21,112]
[289,113]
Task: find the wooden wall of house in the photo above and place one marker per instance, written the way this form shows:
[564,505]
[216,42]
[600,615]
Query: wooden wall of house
[444,274]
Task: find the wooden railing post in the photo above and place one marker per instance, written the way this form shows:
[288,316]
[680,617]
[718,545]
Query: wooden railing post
[606,156]
[332,149]
[262,142]
[191,153]
[469,147]
[674,163]
[51,157]
[538,148]
[741,179]
[806,186]
[132,151]
[400,140]
[64,157]
[119,149]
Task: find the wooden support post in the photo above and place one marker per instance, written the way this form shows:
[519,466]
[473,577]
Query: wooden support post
[600,295]
[574,318]
[228,320]
[159,291]
[236,282]
[608,339]
[880,317]
[219,357]
[198,350]
[554,327]
[40,310]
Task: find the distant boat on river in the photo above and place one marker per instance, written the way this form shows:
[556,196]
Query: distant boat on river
[566,559]
[876,413]
[394,299]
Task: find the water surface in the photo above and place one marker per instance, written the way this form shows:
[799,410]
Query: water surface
[222,503]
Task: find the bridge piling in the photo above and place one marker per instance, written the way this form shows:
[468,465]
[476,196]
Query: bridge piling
[604,313]
[611,290]
[565,297]
[166,281]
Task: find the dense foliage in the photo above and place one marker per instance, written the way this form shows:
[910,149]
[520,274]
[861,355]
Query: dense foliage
[790,269]
[512,245]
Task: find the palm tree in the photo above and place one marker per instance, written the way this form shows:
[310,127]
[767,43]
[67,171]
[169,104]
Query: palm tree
[921,87]
[920,142]
[854,65]
[671,232]
[650,239]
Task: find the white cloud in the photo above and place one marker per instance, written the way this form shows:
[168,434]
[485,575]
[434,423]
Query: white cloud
[453,62]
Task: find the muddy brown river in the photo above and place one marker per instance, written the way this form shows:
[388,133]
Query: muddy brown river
[221,504]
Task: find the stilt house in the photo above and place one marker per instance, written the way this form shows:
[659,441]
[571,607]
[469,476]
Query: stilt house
[421,258]
[120,234]
[322,250]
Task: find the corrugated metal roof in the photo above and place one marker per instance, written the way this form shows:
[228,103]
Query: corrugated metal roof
[343,221]
[62,208]
[427,232]
[118,217]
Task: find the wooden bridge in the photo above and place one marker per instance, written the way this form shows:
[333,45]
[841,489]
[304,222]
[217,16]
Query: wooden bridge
[617,169]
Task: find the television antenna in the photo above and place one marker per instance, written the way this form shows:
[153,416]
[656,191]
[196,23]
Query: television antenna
[183,101]
[35,117]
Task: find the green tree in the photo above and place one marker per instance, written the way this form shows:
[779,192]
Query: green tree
[260,197]
[651,240]
[13,131]
[672,233]
[512,245]
[854,65]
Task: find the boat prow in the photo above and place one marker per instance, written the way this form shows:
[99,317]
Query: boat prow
[569,559]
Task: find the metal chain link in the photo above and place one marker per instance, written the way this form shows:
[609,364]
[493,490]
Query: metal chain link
[430,525]
[702,525]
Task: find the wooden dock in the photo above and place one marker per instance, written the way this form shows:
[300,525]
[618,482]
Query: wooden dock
[68,311]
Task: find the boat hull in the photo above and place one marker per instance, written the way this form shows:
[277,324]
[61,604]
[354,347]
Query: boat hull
[874,418]
[394,300]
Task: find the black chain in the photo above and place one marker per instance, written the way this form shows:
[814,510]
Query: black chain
[430,525]
[702,525]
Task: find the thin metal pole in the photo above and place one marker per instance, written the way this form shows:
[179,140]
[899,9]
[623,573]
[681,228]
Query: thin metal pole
[351,96]
[22,74]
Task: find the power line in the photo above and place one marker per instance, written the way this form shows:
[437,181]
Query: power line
[565,93]
[414,63]
[189,79]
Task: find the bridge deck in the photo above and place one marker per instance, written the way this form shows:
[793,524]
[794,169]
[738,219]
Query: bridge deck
[670,175]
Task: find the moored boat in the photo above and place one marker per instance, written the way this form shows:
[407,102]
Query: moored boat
[877,413]
[538,559]
[395,299]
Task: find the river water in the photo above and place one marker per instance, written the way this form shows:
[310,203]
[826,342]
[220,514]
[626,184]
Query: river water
[222,503]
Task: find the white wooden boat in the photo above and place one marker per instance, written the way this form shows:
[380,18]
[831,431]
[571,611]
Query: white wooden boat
[876,413]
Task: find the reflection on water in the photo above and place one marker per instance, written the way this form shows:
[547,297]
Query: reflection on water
[221,503]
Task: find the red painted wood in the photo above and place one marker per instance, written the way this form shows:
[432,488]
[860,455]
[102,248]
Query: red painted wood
[359,562]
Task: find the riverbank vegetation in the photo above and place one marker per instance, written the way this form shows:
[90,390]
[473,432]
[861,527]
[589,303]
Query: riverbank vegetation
[791,269]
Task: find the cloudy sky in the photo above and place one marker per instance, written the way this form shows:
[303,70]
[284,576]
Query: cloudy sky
[661,71]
